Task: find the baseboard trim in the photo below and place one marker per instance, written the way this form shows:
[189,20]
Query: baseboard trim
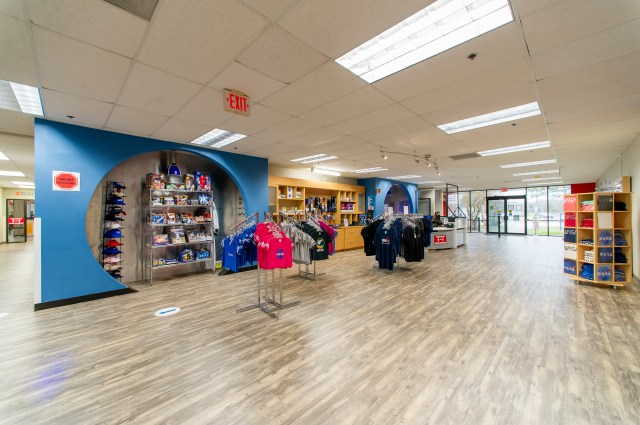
[75,300]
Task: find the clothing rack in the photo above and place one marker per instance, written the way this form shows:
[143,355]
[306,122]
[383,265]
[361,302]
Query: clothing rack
[306,274]
[244,222]
[263,302]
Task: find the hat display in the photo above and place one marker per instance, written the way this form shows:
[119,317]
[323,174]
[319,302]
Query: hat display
[112,225]
[118,185]
[112,250]
[112,242]
[113,233]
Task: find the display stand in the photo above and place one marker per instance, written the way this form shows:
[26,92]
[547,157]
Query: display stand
[109,213]
[234,229]
[262,302]
[598,238]
[205,229]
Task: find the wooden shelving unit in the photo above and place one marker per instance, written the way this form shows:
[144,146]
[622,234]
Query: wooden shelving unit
[597,244]
[349,204]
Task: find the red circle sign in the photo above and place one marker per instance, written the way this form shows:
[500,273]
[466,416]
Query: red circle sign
[65,181]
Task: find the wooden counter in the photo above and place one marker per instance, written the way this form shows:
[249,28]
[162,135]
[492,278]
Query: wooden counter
[349,238]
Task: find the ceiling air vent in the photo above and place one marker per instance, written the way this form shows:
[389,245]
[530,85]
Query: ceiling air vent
[464,156]
[141,8]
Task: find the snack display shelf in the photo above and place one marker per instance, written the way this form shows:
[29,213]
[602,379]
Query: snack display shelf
[164,266]
[208,192]
[178,206]
[179,244]
[178,224]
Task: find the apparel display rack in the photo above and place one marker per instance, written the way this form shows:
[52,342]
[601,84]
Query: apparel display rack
[186,232]
[263,302]
[111,234]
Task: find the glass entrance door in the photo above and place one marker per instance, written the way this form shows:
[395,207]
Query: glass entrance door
[507,215]
[16,220]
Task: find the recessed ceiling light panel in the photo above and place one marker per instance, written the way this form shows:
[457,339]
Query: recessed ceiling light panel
[314,158]
[403,177]
[369,170]
[492,118]
[518,148]
[3,157]
[533,173]
[20,98]
[528,164]
[11,173]
[218,138]
[440,26]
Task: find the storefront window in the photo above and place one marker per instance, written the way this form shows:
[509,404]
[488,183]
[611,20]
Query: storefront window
[509,192]
[537,215]
[556,204]
[478,210]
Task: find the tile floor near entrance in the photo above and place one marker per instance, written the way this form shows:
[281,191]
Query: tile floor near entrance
[489,333]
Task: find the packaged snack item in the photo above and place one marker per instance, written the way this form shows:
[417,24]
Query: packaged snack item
[169,200]
[156,201]
[160,240]
[158,262]
[155,180]
[189,182]
[203,181]
[192,236]
[158,218]
[171,218]
[199,219]
[177,236]
[203,254]
[182,200]
[187,255]
[187,219]
[170,260]
[193,202]
[204,199]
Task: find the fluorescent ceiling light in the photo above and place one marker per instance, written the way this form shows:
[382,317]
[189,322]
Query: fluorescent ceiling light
[3,157]
[403,177]
[440,26]
[492,118]
[314,158]
[431,182]
[218,138]
[518,148]
[369,170]
[325,171]
[544,183]
[533,173]
[541,178]
[26,187]
[23,183]
[20,97]
[527,164]
[11,173]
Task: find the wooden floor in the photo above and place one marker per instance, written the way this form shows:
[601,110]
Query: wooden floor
[491,333]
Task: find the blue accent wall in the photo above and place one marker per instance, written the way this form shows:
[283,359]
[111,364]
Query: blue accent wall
[373,184]
[67,265]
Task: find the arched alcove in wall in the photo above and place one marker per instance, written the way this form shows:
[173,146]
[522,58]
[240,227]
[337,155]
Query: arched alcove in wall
[133,172]
[398,197]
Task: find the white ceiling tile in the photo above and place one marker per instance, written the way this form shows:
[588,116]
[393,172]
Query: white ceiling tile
[329,82]
[393,129]
[316,137]
[247,145]
[429,136]
[479,86]
[133,121]
[86,111]
[335,26]
[261,119]
[618,104]
[70,66]
[272,9]
[519,95]
[612,43]
[95,22]
[198,39]
[387,115]
[12,8]
[587,17]
[495,49]
[604,72]
[180,131]
[152,90]
[206,108]
[595,94]
[287,130]
[357,103]
[273,150]
[254,84]
[527,7]
[15,50]
[281,56]
[15,122]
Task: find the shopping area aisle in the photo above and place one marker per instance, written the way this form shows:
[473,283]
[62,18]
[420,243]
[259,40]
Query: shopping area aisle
[488,333]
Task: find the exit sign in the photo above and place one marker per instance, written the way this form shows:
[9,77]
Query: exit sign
[236,102]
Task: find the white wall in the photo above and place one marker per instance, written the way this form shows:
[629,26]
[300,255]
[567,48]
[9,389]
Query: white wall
[306,174]
[629,165]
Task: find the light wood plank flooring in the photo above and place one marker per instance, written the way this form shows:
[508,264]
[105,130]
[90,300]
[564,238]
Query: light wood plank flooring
[491,333]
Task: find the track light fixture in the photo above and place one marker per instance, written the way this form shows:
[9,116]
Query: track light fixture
[417,158]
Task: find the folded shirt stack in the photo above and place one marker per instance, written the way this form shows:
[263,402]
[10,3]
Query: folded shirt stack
[619,238]
[587,222]
[586,242]
[586,271]
[619,256]
[619,275]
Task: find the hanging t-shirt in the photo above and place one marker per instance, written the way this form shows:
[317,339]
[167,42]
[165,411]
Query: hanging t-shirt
[386,242]
[321,249]
[230,253]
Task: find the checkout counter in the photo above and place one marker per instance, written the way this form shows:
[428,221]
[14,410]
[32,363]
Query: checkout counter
[449,237]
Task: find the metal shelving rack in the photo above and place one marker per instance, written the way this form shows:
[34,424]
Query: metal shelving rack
[152,252]
[107,209]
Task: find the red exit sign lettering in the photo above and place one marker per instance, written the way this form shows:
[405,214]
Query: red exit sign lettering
[236,102]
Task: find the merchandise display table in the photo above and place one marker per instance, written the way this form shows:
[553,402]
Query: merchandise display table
[448,237]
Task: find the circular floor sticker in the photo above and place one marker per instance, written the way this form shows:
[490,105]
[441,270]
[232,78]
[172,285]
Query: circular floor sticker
[167,311]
